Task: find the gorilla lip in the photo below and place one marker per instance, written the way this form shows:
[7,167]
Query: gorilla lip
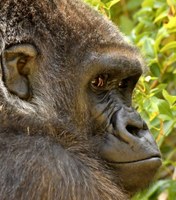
[153,158]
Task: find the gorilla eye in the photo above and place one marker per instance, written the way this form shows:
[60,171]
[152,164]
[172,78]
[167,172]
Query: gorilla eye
[100,81]
[123,83]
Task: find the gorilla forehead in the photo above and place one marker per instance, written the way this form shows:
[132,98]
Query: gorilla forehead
[61,21]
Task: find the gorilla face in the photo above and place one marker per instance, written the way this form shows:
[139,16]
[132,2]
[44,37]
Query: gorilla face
[127,144]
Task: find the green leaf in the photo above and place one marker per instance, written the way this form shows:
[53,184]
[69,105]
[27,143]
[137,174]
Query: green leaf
[164,109]
[159,3]
[171,60]
[171,2]
[148,44]
[111,3]
[133,4]
[172,190]
[148,3]
[162,33]
[171,45]
[126,24]
[168,126]
[170,99]
[153,190]
[95,3]
[155,70]
[161,16]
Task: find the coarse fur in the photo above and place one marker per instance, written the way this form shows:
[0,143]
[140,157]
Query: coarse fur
[47,151]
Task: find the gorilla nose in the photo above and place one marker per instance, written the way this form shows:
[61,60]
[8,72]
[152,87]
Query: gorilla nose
[128,125]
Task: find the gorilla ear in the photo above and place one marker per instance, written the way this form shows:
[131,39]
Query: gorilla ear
[18,63]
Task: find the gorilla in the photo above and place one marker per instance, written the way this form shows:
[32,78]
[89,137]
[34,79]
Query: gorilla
[68,130]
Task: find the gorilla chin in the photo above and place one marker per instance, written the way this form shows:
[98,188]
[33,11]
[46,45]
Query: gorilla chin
[137,175]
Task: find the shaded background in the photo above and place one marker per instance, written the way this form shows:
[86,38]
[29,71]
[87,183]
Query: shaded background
[151,25]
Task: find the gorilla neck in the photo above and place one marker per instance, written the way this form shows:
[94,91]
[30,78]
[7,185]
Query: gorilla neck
[73,172]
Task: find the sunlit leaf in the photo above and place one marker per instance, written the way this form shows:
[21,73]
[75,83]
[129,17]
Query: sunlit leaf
[171,2]
[170,99]
[172,23]
[171,45]
[111,3]
[161,16]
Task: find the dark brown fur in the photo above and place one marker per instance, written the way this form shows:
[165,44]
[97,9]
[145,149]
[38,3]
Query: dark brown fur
[46,149]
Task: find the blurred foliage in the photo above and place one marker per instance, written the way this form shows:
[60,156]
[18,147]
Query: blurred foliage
[151,25]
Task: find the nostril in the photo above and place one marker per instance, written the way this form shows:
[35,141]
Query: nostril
[133,130]
[127,126]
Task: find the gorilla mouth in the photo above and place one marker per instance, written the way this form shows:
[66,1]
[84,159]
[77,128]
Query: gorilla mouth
[155,158]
